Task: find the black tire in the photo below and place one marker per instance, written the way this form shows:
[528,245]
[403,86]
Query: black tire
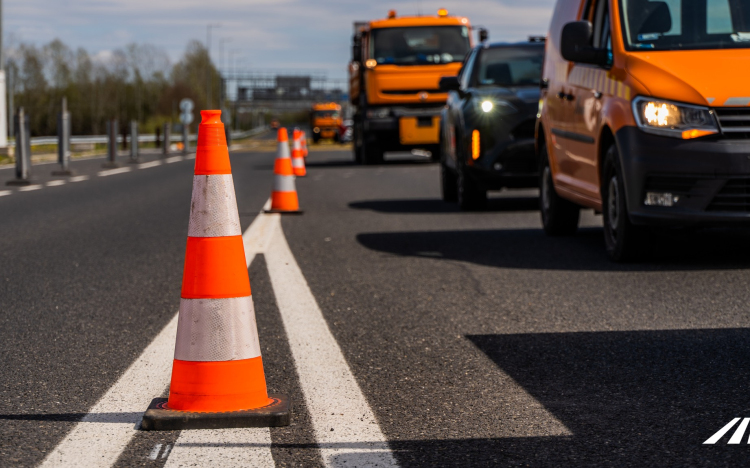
[435,153]
[448,184]
[358,144]
[624,241]
[373,153]
[470,197]
[559,216]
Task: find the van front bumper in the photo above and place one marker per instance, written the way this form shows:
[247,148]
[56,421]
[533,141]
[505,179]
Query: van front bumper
[706,179]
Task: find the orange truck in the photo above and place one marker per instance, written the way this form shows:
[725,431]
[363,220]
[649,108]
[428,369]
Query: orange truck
[394,75]
[326,121]
[645,117]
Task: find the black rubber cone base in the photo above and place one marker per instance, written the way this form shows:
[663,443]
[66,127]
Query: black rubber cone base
[297,212]
[160,418]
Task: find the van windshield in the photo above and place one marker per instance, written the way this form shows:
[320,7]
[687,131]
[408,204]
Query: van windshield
[422,45]
[686,24]
[511,66]
[326,114]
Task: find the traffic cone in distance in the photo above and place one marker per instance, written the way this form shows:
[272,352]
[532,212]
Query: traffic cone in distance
[217,373]
[304,144]
[298,159]
[284,193]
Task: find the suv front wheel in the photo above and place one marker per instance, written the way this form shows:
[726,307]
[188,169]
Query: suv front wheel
[624,240]
[559,216]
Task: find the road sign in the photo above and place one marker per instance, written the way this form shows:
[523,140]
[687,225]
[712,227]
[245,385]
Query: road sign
[186,118]
[187,105]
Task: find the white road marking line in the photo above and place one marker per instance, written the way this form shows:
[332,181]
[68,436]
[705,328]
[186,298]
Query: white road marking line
[55,183]
[102,435]
[155,452]
[166,451]
[149,164]
[5,193]
[29,188]
[715,438]
[345,426]
[173,159]
[737,436]
[190,156]
[222,447]
[110,172]
[79,178]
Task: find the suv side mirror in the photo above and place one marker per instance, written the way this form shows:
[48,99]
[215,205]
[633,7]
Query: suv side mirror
[449,83]
[483,35]
[575,45]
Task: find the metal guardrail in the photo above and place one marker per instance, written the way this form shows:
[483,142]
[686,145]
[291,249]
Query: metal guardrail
[74,140]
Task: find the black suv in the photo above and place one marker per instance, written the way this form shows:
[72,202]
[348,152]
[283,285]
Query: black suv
[487,125]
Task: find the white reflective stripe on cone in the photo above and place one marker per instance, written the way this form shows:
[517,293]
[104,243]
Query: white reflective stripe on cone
[298,162]
[284,183]
[217,330]
[283,150]
[213,210]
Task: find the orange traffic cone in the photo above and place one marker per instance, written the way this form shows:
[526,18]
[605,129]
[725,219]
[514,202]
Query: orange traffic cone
[304,144]
[217,372]
[284,193]
[298,158]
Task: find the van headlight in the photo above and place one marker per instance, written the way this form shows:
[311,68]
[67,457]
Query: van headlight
[674,119]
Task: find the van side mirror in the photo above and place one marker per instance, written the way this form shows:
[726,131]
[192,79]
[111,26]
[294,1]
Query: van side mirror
[575,45]
[483,35]
[449,83]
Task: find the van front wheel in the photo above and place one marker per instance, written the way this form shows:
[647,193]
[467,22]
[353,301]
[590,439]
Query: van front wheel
[559,216]
[623,240]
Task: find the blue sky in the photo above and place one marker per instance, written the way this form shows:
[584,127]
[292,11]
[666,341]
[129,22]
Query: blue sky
[265,34]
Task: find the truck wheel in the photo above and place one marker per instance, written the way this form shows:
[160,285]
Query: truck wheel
[448,184]
[470,197]
[435,151]
[623,240]
[373,154]
[559,216]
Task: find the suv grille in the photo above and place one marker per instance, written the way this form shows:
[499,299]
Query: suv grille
[734,121]
[734,196]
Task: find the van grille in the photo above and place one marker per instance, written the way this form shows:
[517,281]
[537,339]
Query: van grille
[734,121]
[734,196]
[675,185]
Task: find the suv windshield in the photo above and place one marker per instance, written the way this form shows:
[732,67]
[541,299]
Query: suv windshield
[423,45]
[686,24]
[510,66]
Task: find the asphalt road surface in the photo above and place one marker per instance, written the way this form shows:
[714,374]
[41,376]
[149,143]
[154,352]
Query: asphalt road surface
[471,338]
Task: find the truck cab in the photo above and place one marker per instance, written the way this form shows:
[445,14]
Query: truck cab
[326,121]
[394,75]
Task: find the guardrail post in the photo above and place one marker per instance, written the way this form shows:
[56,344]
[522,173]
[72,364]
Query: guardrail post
[185,139]
[23,149]
[133,142]
[111,144]
[63,141]
[167,139]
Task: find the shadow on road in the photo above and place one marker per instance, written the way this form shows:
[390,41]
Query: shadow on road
[531,249]
[433,205]
[634,398]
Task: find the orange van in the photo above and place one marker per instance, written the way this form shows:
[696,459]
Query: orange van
[644,116]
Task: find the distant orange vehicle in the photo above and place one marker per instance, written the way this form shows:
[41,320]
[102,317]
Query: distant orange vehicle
[394,75]
[645,117]
[326,121]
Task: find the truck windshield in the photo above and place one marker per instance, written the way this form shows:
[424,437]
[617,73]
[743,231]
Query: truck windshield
[423,45]
[511,66]
[327,114]
[686,24]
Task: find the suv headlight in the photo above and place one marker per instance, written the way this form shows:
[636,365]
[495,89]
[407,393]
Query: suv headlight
[491,106]
[674,119]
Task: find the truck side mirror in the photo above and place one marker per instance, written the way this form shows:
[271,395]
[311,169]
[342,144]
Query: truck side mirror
[575,45]
[483,35]
[449,83]
[357,51]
